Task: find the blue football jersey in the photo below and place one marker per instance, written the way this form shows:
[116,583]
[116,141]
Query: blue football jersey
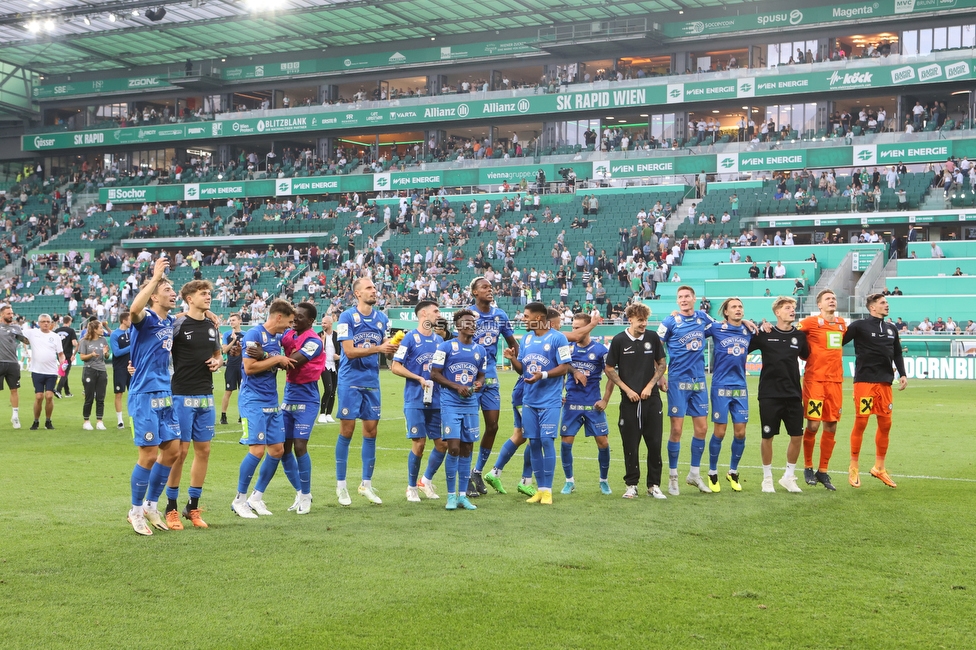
[461,364]
[261,388]
[416,351]
[231,336]
[591,360]
[684,339]
[149,351]
[518,392]
[364,332]
[731,347]
[492,326]
[542,354]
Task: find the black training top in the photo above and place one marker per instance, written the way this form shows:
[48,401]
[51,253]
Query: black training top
[636,359]
[876,347]
[194,341]
[781,350]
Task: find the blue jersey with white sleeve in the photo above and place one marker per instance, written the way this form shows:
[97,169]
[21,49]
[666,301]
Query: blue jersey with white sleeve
[364,332]
[261,388]
[543,354]
[590,359]
[461,364]
[416,351]
[149,351]
[684,338]
[731,347]
[491,326]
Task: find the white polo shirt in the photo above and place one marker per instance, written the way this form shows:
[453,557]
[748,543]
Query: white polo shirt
[45,349]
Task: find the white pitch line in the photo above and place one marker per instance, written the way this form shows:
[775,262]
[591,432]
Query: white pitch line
[620,460]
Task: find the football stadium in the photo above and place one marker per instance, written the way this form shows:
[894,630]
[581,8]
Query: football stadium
[420,324]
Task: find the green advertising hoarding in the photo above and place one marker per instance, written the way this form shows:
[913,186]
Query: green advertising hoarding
[146,83]
[807,16]
[514,174]
[663,166]
[892,154]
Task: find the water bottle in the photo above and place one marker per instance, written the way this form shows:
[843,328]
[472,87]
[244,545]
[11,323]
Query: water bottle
[428,392]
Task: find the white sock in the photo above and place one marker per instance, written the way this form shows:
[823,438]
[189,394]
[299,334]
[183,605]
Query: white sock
[526,481]
[673,473]
[494,471]
[150,505]
[767,471]
[367,484]
[695,472]
[340,485]
[790,469]
[569,479]
[241,497]
[16,411]
[118,414]
[257,496]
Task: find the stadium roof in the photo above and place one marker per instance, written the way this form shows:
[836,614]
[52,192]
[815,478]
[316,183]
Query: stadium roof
[77,36]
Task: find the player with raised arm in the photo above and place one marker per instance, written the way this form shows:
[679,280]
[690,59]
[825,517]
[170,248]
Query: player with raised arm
[155,429]
[780,397]
[493,324]
[584,406]
[119,341]
[421,399]
[730,395]
[823,385]
[877,348]
[543,358]
[459,367]
[362,334]
[233,373]
[196,356]
[11,336]
[260,408]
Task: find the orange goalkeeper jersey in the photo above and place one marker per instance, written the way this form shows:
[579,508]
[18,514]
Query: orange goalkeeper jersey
[826,341]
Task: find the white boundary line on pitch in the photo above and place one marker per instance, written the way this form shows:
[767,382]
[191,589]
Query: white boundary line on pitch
[620,460]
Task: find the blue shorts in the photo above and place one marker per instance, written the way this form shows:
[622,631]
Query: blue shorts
[358,403]
[423,423]
[574,416]
[298,419]
[196,416]
[232,377]
[153,419]
[262,424]
[540,422]
[730,400]
[465,427]
[517,412]
[489,397]
[43,383]
[687,398]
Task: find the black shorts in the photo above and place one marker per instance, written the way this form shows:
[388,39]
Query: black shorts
[10,373]
[788,411]
[232,377]
[121,379]
[44,383]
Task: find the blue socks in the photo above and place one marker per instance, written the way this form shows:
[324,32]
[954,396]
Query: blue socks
[548,462]
[290,465]
[139,484]
[527,462]
[697,450]
[507,451]
[464,473]
[738,446]
[566,454]
[451,469]
[413,468]
[603,455]
[248,467]
[714,449]
[538,467]
[483,454]
[195,492]
[369,457]
[305,473]
[158,476]
[674,449]
[342,457]
[434,462]
[267,472]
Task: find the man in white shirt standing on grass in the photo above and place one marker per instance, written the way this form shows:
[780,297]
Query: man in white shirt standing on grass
[47,356]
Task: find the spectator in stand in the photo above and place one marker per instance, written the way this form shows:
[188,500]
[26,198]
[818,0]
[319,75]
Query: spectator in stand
[924,327]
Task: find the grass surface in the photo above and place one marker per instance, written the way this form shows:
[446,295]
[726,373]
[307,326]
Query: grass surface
[868,568]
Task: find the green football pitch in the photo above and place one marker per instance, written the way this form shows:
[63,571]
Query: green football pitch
[866,568]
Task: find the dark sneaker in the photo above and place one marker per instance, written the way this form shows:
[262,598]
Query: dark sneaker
[223,420]
[810,476]
[48,425]
[479,483]
[35,426]
[824,478]
[472,492]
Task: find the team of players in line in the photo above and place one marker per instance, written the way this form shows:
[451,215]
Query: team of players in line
[447,383]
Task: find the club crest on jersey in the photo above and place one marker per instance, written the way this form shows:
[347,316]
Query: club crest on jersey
[345,411]
[793,340]
[413,430]
[212,332]
[647,345]
[454,346]
[416,337]
[591,356]
[725,326]
[546,347]
[674,409]
[260,436]
[356,318]
[264,337]
[766,429]
[477,357]
[447,429]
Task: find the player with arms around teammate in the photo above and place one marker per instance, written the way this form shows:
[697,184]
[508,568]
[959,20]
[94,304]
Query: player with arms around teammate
[584,407]
[823,385]
[543,358]
[155,429]
[684,335]
[119,341]
[259,407]
[459,367]
[730,395]
[233,373]
[780,397]
[196,356]
[301,404]
[361,332]
[636,364]
[46,357]
[493,324]
[876,348]
[10,336]
[421,399]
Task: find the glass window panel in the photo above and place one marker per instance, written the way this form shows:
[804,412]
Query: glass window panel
[969,35]
[909,43]
[657,126]
[924,42]
[668,131]
[954,38]
[939,38]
